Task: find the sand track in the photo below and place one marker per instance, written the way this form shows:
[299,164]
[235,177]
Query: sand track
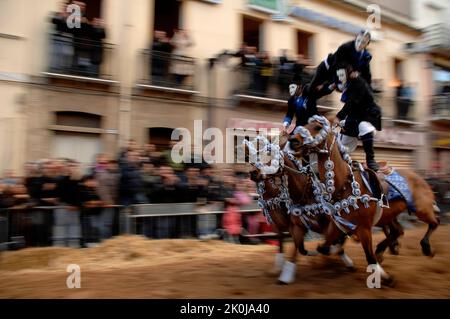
[134,267]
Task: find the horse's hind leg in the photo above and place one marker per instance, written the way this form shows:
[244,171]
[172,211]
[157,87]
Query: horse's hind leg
[396,231]
[365,235]
[425,242]
[428,216]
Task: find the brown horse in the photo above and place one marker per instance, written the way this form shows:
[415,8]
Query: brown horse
[424,202]
[300,192]
[317,137]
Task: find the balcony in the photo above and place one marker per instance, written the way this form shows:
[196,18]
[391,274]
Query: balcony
[436,39]
[397,112]
[270,86]
[440,109]
[80,60]
[167,73]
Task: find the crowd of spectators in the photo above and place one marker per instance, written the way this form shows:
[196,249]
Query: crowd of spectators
[86,205]
[77,49]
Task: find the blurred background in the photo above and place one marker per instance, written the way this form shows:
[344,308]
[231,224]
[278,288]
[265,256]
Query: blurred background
[97,104]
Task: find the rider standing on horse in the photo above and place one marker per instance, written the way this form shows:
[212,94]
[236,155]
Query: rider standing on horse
[361,116]
[352,52]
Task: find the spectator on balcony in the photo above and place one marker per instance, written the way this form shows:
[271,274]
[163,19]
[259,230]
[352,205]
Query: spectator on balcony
[446,89]
[182,66]
[241,53]
[62,51]
[285,70]
[265,72]
[83,44]
[405,98]
[97,35]
[160,57]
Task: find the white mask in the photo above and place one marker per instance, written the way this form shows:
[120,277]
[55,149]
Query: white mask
[342,75]
[292,89]
[361,42]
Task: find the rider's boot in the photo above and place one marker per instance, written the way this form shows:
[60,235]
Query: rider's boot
[367,141]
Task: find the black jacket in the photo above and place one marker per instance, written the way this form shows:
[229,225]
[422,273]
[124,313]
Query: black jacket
[303,107]
[347,54]
[359,104]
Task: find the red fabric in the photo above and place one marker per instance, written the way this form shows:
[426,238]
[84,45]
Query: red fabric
[232,220]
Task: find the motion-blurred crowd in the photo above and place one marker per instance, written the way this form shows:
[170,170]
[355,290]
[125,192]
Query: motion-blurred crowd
[85,206]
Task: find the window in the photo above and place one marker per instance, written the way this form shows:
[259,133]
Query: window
[93,9]
[160,137]
[167,16]
[304,44]
[252,30]
[79,119]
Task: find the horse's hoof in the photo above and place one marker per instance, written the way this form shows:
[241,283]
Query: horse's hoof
[394,250]
[351,269]
[282,283]
[390,282]
[426,249]
[324,250]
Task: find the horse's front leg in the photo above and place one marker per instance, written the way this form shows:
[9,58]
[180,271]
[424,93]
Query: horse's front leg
[289,267]
[365,236]
[279,257]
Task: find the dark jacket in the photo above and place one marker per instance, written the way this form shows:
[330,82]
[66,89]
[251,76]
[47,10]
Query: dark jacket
[131,182]
[68,191]
[359,106]
[303,107]
[97,36]
[347,54]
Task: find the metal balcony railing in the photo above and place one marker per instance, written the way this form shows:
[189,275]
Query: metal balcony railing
[81,57]
[440,106]
[166,70]
[266,82]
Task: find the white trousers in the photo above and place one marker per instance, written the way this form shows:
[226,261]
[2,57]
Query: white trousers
[352,142]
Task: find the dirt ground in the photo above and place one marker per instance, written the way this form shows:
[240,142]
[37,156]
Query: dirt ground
[134,267]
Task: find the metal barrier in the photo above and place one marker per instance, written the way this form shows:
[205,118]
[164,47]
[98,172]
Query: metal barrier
[42,226]
[179,220]
[25,226]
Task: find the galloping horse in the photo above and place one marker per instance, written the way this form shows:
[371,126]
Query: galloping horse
[284,188]
[422,197]
[343,191]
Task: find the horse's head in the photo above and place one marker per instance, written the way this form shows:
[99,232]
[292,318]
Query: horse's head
[265,157]
[311,137]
